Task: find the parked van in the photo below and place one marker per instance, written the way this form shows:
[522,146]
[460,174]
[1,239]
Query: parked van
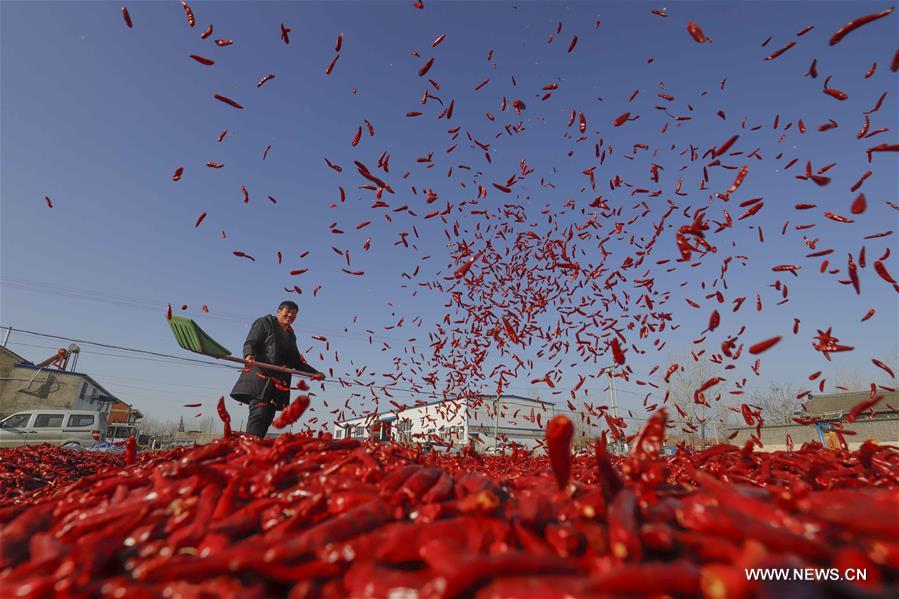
[68,428]
[119,433]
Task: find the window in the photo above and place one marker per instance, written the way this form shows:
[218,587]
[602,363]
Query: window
[120,432]
[16,421]
[80,420]
[83,390]
[48,421]
[359,432]
[338,434]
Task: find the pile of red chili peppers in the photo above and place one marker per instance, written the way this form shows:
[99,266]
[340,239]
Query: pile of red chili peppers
[311,516]
[29,473]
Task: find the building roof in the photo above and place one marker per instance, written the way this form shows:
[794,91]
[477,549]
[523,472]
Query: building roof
[20,359]
[103,392]
[837,404]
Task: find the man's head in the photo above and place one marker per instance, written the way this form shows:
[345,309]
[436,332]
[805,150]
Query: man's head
[287,313]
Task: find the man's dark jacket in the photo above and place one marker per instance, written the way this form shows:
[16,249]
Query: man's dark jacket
[271,344]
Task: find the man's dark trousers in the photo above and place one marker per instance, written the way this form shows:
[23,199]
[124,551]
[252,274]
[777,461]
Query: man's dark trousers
[261,416]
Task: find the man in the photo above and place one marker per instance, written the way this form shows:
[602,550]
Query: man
[271,339]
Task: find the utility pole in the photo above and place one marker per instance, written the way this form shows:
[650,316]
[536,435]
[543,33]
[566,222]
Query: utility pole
[496,422]
[613,397]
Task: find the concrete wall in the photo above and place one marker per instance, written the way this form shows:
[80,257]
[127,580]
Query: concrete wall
[512,420]
[26,388]
[458,421]
[884,431]
[446,420]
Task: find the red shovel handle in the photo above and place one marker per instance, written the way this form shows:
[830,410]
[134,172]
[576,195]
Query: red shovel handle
[270,367]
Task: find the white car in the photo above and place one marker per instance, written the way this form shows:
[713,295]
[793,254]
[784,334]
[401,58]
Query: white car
[67,428]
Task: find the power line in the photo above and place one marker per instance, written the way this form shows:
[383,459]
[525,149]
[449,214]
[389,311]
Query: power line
[153,305]
[119,347]
[339,381]
[171,362]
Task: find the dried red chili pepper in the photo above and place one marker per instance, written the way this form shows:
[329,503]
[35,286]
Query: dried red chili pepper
[696,33]
[559,431]
[855,24]
[127,17]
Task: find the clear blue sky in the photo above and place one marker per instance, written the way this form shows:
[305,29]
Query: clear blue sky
[98,117]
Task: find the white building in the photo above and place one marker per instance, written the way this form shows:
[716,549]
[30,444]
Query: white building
[488,421]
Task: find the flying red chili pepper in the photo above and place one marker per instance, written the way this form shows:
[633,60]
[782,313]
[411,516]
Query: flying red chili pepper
[617,354]
[559,431]
[855,24]
[227,100]
[510,331]
[838,218]
[706,386]
[427,67]
[189,14]
[224,415]
[127,17]
[202,60]
[777,53]
[883,367]
[696,32]
[764,345]
[621,119]
[725,146]
[812,72]
[293,412]
[331,65]
[881,270]
[460,272]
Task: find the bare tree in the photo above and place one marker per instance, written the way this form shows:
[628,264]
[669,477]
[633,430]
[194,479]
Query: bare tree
[154,426]
[704,423]
[205,425]
[848,380]
[778,402]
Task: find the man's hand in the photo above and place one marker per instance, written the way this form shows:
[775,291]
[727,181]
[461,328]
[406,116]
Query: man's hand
[318,376]
[249,361]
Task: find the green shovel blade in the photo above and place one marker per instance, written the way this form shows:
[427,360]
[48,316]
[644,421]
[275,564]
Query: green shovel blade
[192,338]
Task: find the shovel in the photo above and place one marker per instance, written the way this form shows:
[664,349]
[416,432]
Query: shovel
[192,338]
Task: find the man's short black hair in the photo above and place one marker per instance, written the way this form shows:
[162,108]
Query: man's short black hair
[289,305]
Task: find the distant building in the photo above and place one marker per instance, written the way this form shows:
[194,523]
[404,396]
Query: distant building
[25,386]
[487,421]
[829,413]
